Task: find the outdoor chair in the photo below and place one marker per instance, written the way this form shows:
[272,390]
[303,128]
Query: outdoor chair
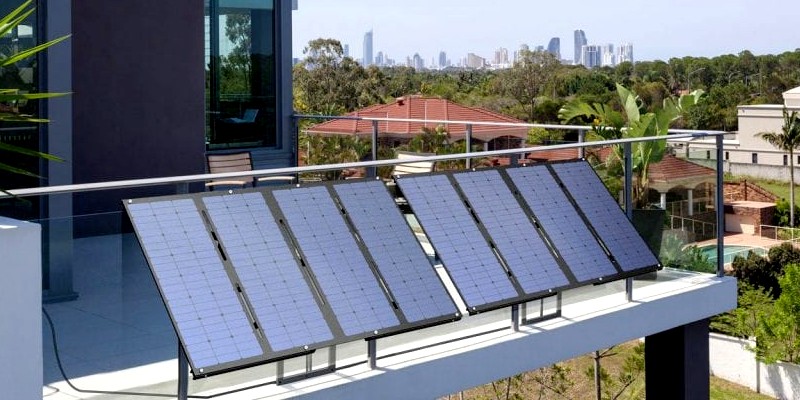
[238,162]
[248,117]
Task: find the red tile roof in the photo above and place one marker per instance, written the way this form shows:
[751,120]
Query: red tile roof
[423,108]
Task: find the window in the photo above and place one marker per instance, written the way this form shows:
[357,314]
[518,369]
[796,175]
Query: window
[785,159]
[727,156]
[708,154]
[755,158]
[240,73]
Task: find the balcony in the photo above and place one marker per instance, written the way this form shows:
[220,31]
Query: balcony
[114,334]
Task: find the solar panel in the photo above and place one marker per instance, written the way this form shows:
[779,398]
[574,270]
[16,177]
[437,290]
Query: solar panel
[282,300]
[562,223]
[469,260]
[398,255]
[199,295]
[606,217]
[512,231]
[329,248]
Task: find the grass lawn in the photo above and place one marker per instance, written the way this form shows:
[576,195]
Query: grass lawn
[724,390]
[778,188]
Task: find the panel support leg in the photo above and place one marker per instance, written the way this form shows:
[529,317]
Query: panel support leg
[372,353]
[183,374]
[515,318]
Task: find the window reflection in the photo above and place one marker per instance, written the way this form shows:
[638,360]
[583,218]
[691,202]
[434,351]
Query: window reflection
[240,70]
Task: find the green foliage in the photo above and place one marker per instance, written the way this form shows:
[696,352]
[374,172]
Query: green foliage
[437,141]
[754,307]
[629,119]
[629,379]
[527,80]
[781,330]
[337,149]
[12,98]
[782,214]
[764,272]
[676,254]
[541,136]
[555,380]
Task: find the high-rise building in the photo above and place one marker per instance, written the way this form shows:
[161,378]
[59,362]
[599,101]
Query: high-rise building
[367,60]
[346,50]
[417,62]
[474,61]
[380,59]
[608,57]
[591,55]
[538,48]
[442,59]
[625,53]
[580,41]
[501,56]
[554,47]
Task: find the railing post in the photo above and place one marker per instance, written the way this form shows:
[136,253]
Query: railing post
[468,143]
[373,171]
[629,205]
[581,139]
[183,374]
[720,209]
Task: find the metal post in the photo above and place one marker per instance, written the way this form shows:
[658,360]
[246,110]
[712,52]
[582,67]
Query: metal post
[373,171]
[468,143]
[581,139]
[629,206]
[372,353]
[183,374]
[515,318]
[720,209]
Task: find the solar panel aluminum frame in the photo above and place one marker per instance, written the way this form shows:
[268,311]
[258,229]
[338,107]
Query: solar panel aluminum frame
[403,327]
[197,372]
[521,297]
[621,274]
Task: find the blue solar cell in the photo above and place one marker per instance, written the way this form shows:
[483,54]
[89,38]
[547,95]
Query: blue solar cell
[270,275]
[330,250]
[562,223]
[204,307]
[471,263]
[605,216]
[512,231]
[398,255]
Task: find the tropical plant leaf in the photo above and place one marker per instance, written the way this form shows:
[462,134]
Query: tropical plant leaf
[15,170]
[32,51]
[29,96]
[12,19]
[629,102]
[28,152]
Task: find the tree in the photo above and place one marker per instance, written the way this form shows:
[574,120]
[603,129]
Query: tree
[754,306]
[526,81]
[765,272]
[782,328]
[10,98]
[610,387]
[787,140]
[630,121]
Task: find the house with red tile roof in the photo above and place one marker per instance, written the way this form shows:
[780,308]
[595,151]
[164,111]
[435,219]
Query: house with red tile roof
[431,109]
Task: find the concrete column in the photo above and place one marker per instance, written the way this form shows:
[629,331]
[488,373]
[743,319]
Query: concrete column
[663,202]
[677,363]
[21,309]
[690,195]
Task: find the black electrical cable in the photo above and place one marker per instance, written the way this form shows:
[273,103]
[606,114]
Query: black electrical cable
[127,393]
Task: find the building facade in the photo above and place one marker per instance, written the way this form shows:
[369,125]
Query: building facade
[591,56]
[554,47]
[580,41]
[367,60]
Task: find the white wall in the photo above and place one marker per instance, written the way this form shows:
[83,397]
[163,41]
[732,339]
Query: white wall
[730,360]
[20,310]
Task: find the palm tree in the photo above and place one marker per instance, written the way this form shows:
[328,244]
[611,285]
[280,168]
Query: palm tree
[787,140]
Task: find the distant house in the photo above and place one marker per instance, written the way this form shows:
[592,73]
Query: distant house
[745,153]
[433,109]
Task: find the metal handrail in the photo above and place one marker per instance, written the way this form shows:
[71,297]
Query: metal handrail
[131,183]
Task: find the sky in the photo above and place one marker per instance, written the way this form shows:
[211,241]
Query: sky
[657,29]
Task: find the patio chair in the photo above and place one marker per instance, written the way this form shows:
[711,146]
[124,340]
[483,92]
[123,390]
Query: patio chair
[248,117]
[417,167]
[238,162]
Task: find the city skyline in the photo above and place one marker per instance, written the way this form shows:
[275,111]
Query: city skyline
[472,26]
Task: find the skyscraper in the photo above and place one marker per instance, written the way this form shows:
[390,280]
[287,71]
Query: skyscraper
[580,41]
[368,48]
[442,59]
[554,47]
[625,53]
[591,55]
[346,50]
[609,59]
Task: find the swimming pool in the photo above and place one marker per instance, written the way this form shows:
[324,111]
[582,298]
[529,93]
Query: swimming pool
[730,251]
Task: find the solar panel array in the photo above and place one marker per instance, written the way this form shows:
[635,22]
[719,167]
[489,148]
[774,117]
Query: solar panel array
[606,217]
[514,234]
[269,273]
[472,265]
[565,227]
[345,278]
[282,300]
[419,292]
[204,307]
